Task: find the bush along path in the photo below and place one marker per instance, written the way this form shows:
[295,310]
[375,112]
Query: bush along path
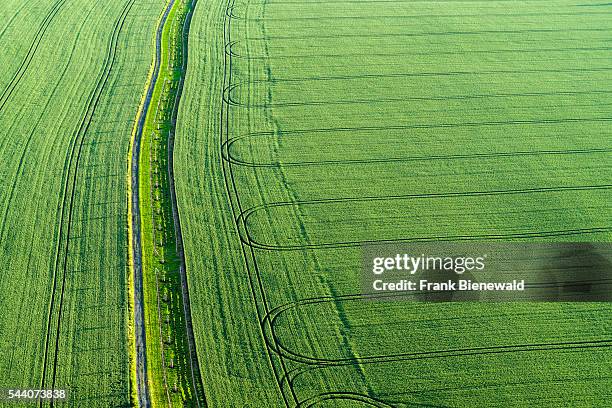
[167,371]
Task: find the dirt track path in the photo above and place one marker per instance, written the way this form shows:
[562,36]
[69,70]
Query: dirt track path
[139,327]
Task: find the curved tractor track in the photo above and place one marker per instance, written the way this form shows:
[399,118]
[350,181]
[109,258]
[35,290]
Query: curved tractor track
[279,367]
[266,313]
[23,67]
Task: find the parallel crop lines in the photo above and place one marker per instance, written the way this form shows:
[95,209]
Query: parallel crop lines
[67,100]
[234,169]
[6,94]
[61,262]
[276,343]
[23,66]
[310,128]
[258,290]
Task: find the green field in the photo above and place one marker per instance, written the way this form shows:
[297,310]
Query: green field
[357,121]
[186,188]
[70,84]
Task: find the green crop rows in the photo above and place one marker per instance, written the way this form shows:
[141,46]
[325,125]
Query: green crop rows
[293,132]
[364,121]
[71,81]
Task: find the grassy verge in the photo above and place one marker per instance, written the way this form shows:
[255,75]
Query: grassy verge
[167,347]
